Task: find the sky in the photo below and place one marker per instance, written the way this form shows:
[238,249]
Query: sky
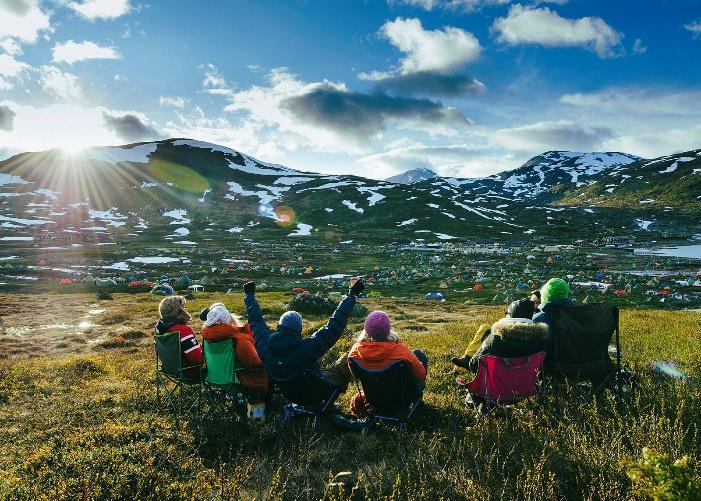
[467,88]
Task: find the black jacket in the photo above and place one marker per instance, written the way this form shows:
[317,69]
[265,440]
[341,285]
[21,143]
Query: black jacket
[286,353]
[509,339]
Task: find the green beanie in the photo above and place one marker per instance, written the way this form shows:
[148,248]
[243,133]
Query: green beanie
[554,289]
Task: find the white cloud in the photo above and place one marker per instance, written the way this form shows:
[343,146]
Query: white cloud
[58,83]
[214,83]
[542,26]
[71,52]
[638,47]
[11,46]
[176,101]
[694,27]
[554,135]
[23,20]
[11,71]
[637,101]
[440,51]
[462,5]
[101,9]
[59,125]
[656,143]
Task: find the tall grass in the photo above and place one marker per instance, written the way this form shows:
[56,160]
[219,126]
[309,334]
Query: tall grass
[89,427]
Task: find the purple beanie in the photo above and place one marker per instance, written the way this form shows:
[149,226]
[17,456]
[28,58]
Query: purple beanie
[377,325]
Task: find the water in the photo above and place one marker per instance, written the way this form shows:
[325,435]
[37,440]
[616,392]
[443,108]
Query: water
[688,251]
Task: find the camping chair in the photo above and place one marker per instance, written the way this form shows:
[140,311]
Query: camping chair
[392,393]
[225,394]
[310,395]
[172,377]
[504,381]
[580,338]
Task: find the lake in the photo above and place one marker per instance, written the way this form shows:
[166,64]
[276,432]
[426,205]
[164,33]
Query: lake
[690,251]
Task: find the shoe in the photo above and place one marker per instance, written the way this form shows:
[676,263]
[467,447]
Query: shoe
[463,362]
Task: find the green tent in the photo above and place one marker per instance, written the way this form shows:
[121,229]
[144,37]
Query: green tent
[207,281]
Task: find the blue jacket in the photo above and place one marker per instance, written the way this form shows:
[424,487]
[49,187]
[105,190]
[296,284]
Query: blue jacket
[286,353]
[545,315]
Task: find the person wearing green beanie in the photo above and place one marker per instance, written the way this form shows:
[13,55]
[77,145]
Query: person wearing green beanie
[555,292]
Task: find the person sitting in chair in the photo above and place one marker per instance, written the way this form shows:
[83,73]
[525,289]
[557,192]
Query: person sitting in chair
[377,347]
[514,336]
[523,308]
[555,292]
[220,325]
[285,353]
[174,318]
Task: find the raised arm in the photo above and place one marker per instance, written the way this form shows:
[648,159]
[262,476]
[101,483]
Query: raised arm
[261,331]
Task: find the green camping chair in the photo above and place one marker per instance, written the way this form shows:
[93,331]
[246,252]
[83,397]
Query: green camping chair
[225,394]
[182,392]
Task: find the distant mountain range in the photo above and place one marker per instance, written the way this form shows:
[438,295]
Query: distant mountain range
[413,176]
[186,192]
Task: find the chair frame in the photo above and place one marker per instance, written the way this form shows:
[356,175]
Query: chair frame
[473,399]
[614,373]
[226,400]
[377,415]
[174,385]
[293,409]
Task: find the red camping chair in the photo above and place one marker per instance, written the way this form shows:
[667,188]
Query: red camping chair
[504,381]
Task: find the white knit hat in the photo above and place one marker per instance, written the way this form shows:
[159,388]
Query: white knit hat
[218,314]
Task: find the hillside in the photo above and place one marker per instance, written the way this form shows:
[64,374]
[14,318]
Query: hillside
[189,192]
[413,176]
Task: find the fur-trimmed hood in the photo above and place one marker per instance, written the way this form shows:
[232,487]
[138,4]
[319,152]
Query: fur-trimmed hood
[520,329]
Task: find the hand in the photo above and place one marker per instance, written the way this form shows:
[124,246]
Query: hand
[249,288]
[356,288]
[203,314]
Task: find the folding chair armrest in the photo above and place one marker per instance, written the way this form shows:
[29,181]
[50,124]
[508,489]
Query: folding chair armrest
[255,370]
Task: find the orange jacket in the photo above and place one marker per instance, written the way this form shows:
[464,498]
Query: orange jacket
[246,355]
[377,355]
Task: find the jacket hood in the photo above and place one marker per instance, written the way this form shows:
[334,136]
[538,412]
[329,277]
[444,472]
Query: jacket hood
[522,329]
[166,323]
[284,339]
[546,307]
[375,351]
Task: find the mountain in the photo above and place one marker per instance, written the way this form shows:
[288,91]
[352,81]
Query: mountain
[182,192]
[413,176]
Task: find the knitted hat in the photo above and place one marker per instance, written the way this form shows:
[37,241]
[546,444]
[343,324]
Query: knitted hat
[172,307]
[218,314]
[554,289]
[523,308]
[378,325]
[291,320]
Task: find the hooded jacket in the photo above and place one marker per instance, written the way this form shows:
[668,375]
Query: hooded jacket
[246,355]
[191,350]
[546,309]
[285,353]
[378,355]
[512,338]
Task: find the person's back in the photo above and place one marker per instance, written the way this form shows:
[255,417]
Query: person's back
[220,325]
[174,318]
[555,292]
[285,353]
[378,346]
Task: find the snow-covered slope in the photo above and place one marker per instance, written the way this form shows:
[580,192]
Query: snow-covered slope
[413,176]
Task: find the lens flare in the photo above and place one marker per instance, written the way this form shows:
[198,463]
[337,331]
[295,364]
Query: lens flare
[178,175]
[285,216]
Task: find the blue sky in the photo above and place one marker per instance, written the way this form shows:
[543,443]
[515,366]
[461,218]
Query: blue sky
[374,87]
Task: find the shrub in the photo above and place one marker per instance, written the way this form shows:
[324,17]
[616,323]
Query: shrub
[660,477]
[310,304]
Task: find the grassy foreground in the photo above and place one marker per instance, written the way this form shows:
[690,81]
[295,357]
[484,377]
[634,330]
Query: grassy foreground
[87,426]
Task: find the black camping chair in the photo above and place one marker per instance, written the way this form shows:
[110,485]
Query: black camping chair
[182,392]
[310,395]
[580,340]
[392,393]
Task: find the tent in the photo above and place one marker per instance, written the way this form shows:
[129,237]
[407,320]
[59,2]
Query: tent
[88,279]
[183,282]
[65,281]
[163,290]
[206,281]
[443,285]
[196,288]
[105,282]
[434,296]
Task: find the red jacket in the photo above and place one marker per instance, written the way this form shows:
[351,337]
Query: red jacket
[377,355]
[191,349]
[246,354]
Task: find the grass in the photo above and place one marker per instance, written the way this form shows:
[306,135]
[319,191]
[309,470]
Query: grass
[88,425]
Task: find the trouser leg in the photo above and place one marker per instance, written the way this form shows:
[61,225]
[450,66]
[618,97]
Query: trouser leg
[338,372]
[424,360]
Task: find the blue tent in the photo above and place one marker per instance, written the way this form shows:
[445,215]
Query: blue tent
[434,296]
[163,290]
